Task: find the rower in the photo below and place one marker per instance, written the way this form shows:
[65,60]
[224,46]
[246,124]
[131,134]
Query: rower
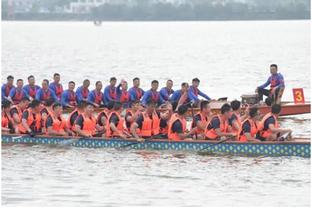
[122,94]
[218,125]
[31,88]
[269,127]
[16,112]
[177,125]
[136,92]
[165,92]
[96,97]
[6,88]
[56,86]
[194,92]
[74,114]
[6,120]
[56,124]
[277,85]
[179,97]
[152,94]
[164,115]
[82,92]
[249,129]
[31,120]
[235,120]
[45,111]
[69,98]
[85,124]
[103,115]
[45,93]
[201,119]
[147,123]
[132,114]
[17,93]
[110,91]
[115,123]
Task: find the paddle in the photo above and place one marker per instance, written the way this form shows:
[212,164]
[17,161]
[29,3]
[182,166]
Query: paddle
[193,118]
[69,142]
[211,145]
[134,143]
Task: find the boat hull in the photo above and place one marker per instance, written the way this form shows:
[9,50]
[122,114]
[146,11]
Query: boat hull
[275,149]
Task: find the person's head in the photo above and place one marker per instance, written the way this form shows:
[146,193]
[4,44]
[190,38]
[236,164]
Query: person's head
[24,103]
[10,80]
[35,106]
[135,105]
[226,110]
[195,82]
[169,84]
[253,112]
[124,85]
[154,85]
[150,106]
[89,109]
[71,85]
[19,83]
[273,68]
[118,106]
[49,102]
[98,85]
[31,80]
[205,107]
[110,105]
[81,105]
[86,83]
[235,105]
[57,109]
[5,105]
[45,84]
[276,109]
[56,77]
[136,82]
[113,81]
[184,87]
[182,110]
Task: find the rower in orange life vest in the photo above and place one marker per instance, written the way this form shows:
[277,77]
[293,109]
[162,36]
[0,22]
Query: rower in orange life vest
[135,92]
[122,94]
[6,88]
[85,124]
[31,119]
[17,93]
[82,92]
[218,125]
[56,124]
[194,92]
[69,98]
[115,123]
[96,97]
[180,97]
[6,120]
[249,129]
[110,91]
[269,127]
[177,130]
[31,88]
[236,119]
[165,92]
[45,111]
[276,82]
[132,113]
[201,119]
[56,86]
[74,114]
[16,113]
[152,95]
[103,115]
[45,93]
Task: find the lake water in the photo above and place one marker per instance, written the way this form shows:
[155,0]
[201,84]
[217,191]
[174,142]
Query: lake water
[230,58]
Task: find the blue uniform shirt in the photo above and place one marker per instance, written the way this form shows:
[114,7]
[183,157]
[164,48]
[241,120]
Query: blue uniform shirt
[5,92]
[148,96]
[66,98]
[79,94]
[133,93]
[13,92]
[193,97]
[91,96]
[27,88]
[165,94]
[276,80]
[107,95]
[39,95]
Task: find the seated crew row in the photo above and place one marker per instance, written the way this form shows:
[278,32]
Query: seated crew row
[31,118]
[70,98]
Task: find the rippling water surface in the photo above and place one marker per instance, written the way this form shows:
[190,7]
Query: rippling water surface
[231,58]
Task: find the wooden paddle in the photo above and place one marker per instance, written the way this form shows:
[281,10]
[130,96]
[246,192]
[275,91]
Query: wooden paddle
[134,143]
[211,145]
[193,118]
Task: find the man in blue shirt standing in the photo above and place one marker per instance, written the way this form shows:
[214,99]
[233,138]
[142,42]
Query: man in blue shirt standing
[194,92]
[165,92]
[277,85]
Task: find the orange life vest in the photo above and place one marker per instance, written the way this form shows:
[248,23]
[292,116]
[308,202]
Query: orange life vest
[253,130]
[89,124]
[4,121]
[173,135]
[58,125]
[68,124]
[210,131]
[99,117]
[120,125]
[203,119]
[239,123]
[34,123]
[44,119]
[265,133]
[149,126]
[19,111]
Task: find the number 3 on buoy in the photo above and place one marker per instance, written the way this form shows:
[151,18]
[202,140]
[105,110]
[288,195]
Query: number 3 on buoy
[298,95]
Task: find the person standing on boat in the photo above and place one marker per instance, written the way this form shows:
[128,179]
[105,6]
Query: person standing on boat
[218,125]
[17,93]
[16,113]
[85,124]
[165,92]
[269,126]
[136,92]
[6,88]
[110,91]
[249,129]
[6,120]
[56,86]
[123,94]
[179,97]
[96,97]
[194,92]
[82,92]
[45,93]
[56,124]
[152,95]
[277,85]
[201,119]
[31,88]
[69,98]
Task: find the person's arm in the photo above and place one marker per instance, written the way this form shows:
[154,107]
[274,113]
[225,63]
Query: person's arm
[91,99]
[192,96]
[177,128]
[137,124]
[64,100]
[50,130]
[145,98]
[79,94]
[3,92]
[278,130]
[216,125]
[14,115]
[113,122]
[164,94]
[107,96]
[198,123]
[38,95]
[54,95]
[265,84]
[78,127]
[203,95]
[132,94]
[11,95]
[281,82]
